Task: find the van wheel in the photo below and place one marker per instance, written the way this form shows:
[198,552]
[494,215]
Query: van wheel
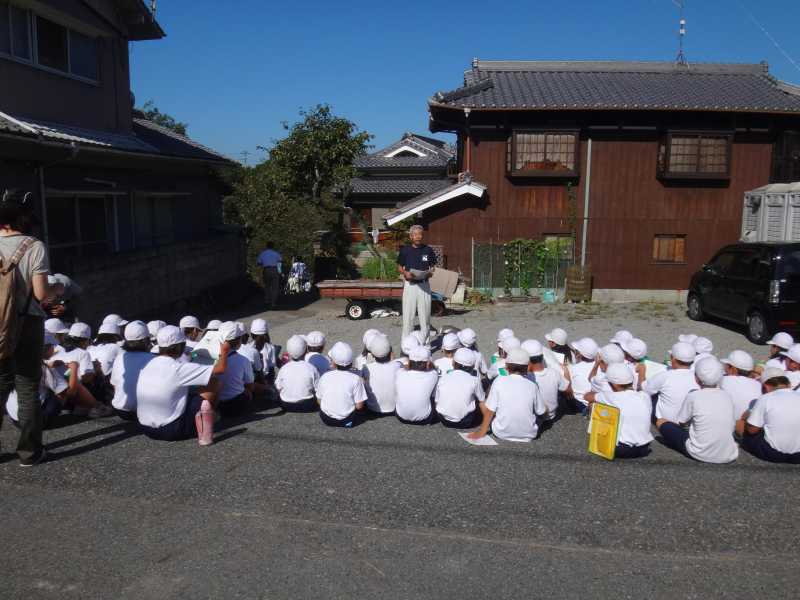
[757,331]
[695,309]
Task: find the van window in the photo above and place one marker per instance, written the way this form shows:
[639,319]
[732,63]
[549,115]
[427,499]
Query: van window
[722,262]
[744,264]
[789,265]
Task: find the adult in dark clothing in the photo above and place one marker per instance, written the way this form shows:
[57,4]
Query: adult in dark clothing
[417,262]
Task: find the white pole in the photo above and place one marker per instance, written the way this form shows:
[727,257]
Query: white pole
[586,202]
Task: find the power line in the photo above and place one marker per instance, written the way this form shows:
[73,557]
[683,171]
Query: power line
[769,36]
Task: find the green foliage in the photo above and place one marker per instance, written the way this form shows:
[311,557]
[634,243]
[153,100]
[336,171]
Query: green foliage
[526,263]
[384,268]
[572,216]
[151,113]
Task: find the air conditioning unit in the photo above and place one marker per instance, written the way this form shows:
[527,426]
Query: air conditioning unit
[772,213]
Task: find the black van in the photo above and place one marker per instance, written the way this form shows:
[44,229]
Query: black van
[753,284]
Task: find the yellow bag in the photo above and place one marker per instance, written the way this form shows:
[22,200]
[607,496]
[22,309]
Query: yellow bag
[604,429]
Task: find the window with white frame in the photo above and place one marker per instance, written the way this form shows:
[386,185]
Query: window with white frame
[27,36]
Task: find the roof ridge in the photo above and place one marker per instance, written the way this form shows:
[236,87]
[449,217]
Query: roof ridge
[620,66]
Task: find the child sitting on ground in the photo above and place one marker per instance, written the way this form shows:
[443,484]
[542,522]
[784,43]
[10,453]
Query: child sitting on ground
[340,391]
[314,356]
[739,382]
[551,380]
[415,388]
[778,344]
[513,404]
[75,350]
[458,392]
[259,334]
[506,345]
[127,367]
[407,344]
[579,372]
[560,353]
[469,339]
[671,387]
[297,380]
[365,356]
[236,383]
[450,344]
[191,329]
[379,377]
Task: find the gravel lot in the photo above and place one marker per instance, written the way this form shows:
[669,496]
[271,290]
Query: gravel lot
[283,507]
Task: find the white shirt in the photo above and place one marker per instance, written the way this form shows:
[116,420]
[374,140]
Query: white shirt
[320,362]
[480,364]
[635,410]
[516,401]
[362,361]
[51,381]
[443,365]
[296,381]
[238,373]
[456,394]
[267,357]
[579,374]
[497,368]
[672,388]
[710,412]
[253,355]
[743,392]
[339,392]
[125,377]
[163,389]
[105,356]
[778,414]
[551,381]
[78,355]
[794,379]
[379,381]
[414,391]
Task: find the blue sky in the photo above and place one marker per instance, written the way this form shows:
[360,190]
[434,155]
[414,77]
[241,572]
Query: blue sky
[234,74]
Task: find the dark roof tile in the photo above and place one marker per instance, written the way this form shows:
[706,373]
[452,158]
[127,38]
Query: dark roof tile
[379,186]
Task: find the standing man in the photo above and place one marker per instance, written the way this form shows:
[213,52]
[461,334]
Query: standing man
[270,262]
[417,262]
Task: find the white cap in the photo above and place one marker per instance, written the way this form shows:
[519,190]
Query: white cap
[419,354]
[518,356]
[619,374]
[450,342]
[533,347]
[623,335]
[703,345]
[259,327]
[296,346]
[504,333]
[315,339]
[420,337]
[80,331]
[708,371]
[612,354]
[50,339]
[793,353]
[636,348]
[55,326]
[341,354]
[379,346]
[558,336]
[368,335]
[740,360]
[135,331]
[510,343]
[189,322]
[154,327]
[229,331]
[213,325]
[115,319]
[408,343]
[772,373]
[169,335]
[781,340]
[108,329]
[464,356]
[683,351]
[687,338]
[467,337]
[586,347]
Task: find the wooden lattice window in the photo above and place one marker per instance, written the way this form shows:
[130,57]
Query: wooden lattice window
[669,248]
[695,155]
[543,154]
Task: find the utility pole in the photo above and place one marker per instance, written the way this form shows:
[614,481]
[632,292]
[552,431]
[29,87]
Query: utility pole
[244,154]
[680,60]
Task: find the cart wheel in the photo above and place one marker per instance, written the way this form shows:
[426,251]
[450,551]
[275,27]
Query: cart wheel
[438,309]
[356,310]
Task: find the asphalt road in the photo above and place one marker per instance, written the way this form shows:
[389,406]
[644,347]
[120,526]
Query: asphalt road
[284,507]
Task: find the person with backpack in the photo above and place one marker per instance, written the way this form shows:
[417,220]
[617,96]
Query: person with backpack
[24,267]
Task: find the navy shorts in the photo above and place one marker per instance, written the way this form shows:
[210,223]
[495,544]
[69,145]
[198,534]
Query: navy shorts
[473,419]
[675,437]
[626,451]
[182,428]
[234,407]
[307,405]
[350,421]
[759,447]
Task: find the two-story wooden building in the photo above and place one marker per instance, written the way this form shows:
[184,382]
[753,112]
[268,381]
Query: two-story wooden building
[658,155]
[131,210]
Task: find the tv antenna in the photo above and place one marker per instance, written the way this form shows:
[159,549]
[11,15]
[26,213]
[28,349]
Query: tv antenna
[244,155]
[680,60]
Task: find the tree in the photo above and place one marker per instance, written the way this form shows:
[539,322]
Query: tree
[151,113]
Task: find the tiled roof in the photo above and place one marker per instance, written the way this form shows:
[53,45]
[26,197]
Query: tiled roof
[380,186]
[533,85]
[436,152]
[466,186]
[172,143]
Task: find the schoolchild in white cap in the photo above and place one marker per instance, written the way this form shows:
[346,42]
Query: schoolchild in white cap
[450,344]
[407,344]
[739,381]
[635,354]
[341,391]
[502,335]
[579,372]
[236,383]
[314,356]
[58,330]
[379,377]
[772,428]
[127,367]
[259,339]
[459,393]
[671,387]
[620,337]
[557,343]
[105,347]
[635,411]
[610,354]
[704,348]
[213,325]
[504,346]
[469,339]
[251,353]
[514,403]
[365,357]
[297,380]
[191,329]
[415,388]
[76,345]
[709,413]
[551,380]
[778,343]
[792,361]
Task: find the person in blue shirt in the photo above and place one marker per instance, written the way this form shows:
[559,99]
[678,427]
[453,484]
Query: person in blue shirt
[270,262]
[416,262]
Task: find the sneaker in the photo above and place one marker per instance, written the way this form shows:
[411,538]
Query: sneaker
[35,459]
[100,411]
